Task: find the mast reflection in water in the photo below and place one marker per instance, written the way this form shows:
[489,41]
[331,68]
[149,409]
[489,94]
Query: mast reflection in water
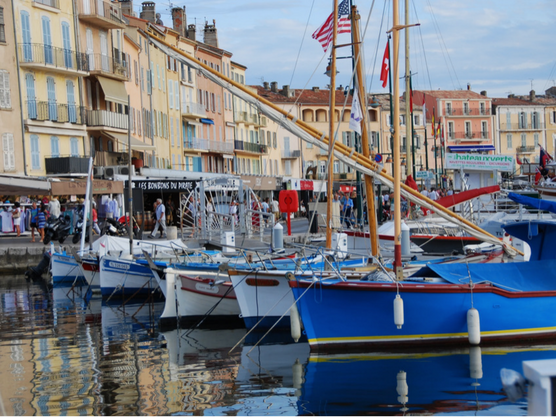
[63,353]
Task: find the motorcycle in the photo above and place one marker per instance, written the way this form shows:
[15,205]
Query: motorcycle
[56,228]
[79,228]
[113,227]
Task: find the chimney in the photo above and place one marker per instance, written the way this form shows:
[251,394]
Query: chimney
[484,93]
[266,85]
[286,90]
[468,87]
[192,32]
[316,89]
[532,95]
[274,86]
[127,7]
[148,11]
[179,21]
[511,95]
[211,37]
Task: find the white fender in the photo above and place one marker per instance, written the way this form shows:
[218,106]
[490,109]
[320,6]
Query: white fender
[398,311]
[473,326]
[295,323]
[475,362]
[402,388]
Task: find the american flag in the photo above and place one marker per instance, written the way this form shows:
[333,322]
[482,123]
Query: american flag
[324,33]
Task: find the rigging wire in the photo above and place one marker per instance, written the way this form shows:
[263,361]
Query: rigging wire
[423,47]
[302,40]
[444,48]
[372,70]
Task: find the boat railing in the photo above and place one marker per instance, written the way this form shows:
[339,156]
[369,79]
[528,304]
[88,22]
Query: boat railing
[256,221]
[220,223]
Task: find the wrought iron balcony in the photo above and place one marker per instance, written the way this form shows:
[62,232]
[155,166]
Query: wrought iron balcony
[54,112]
[51,3]
[106,119]
[104,14]
[287,154]
[189,108]
[526,149]
[66,165]
[467,135]
[195,144]
[42,56]
[220,147]
[520,126]
[109,66]
[240,145]
[468,112]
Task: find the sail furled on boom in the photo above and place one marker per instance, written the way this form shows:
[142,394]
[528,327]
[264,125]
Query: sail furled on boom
[353,159]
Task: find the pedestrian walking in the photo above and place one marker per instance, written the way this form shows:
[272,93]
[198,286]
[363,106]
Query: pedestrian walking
[160,212]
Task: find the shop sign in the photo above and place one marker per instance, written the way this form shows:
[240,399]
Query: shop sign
[467,161]
[164,185]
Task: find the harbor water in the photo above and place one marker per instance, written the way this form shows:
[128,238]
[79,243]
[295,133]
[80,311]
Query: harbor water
[63,352]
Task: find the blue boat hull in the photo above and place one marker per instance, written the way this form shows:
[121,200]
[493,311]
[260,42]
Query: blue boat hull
[462,382]
[361,314]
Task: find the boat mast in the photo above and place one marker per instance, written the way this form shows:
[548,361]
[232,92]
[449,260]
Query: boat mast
[360,82]
[410,165]
[396,151]
[330,184]
[129,190]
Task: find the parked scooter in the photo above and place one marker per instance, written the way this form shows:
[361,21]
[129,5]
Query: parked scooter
[56,228]
[113,227]
[79,228]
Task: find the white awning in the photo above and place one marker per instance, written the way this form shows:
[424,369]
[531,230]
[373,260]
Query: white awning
[136,145]
[20,185]
[113,90]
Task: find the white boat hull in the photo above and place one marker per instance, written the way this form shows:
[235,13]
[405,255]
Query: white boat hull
[191,299]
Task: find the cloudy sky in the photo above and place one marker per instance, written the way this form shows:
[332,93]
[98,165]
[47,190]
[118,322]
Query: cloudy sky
[501,46]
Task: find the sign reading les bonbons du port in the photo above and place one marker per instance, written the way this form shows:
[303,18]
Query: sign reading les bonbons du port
[469,161]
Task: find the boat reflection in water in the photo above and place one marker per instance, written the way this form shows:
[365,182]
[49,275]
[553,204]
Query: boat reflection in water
[460,381]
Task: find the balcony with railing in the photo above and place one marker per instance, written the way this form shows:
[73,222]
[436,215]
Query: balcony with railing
[104,119]
[50,3]
[350,176]
[66,165]
[472,136]
[47,57]
[240,117]
[220,147]
[526,149]
[55,112]
[191,109]
[521,126]
[288,154]
[104,14]
[195,145]
[242,146]
[468,112]
[108,66]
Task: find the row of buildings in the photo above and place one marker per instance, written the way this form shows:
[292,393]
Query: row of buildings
[76,75]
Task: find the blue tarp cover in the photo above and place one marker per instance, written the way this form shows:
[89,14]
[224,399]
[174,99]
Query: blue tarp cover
[536,203]
[512,276]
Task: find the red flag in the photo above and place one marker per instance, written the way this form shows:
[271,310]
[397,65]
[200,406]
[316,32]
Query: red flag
[385,66]
[538,177]
[517,159]
[324,33]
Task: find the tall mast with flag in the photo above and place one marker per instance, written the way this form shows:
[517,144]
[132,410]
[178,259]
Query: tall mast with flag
[337,22]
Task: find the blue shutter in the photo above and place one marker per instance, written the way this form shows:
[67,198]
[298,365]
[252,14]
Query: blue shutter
[47,40]
[68,62]
[72,111]
[35,152]
[26,35]
[51,90]
[54,147]
[74,146]
[31,100]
